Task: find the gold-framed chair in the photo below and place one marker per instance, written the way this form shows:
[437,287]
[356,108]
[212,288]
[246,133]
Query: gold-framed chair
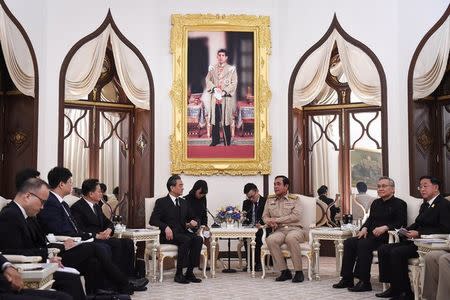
[308,207]
[165,250]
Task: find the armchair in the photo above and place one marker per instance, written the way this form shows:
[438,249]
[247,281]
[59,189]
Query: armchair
[165,250]
[309,221]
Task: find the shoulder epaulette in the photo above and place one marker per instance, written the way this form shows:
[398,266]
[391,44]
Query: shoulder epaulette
[273,196]
[210,68]
[293,196]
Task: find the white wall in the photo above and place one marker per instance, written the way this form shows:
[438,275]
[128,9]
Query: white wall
[391,29]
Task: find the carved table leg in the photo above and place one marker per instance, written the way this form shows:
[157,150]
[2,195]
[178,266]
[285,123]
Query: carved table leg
[316,254]
[213,257]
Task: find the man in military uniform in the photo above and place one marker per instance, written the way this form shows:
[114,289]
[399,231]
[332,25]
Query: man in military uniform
[221,83]
[282,214]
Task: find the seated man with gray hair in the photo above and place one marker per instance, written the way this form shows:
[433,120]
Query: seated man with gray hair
[386,213]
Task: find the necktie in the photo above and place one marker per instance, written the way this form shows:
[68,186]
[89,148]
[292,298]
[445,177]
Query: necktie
[254,213]
[177,202]
[69,216]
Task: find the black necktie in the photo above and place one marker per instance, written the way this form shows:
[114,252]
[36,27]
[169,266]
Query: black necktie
[177,202]
[426,205]
[69,216]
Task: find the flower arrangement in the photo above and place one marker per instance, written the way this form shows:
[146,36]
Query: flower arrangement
[228,214]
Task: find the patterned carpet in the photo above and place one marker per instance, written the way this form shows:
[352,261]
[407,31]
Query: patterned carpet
[241,286]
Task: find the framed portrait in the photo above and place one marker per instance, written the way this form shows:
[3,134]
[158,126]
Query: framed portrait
[366,166]
[220,94]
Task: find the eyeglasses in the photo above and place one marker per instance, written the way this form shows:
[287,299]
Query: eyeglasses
[382,186]
[421,187]
[40,199]
[251,196]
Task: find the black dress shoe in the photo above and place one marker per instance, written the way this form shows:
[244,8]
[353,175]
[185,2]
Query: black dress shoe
[298,277]
[137,288]
[361,286]
[344,283]
[139,282]
[404,296]
[386,294]
[128,289]
[285,275]
[181,279]
[191,278]
[104,292]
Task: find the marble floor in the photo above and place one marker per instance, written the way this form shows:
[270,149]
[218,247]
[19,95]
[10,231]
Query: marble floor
[241,286]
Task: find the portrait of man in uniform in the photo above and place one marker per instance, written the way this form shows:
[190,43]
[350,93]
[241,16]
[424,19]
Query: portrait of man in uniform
[220,112]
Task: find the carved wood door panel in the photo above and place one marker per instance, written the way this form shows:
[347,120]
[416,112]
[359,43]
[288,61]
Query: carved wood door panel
[18,139]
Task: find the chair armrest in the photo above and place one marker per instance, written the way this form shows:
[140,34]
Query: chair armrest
[264,232]
[393,237]
[434,236]
[22,258]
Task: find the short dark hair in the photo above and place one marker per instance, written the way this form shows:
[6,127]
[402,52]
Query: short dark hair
[31,185]
[172,181]
[250,187]
[322,190]
[24,175]
[361,187]
[57,175]
[199,185]
[222,50]
[103,187]
[116,190]
[76,191]
[89,185]
[284,178]
[434,180]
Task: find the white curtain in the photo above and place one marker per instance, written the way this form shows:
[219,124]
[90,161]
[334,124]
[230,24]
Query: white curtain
[86,65]
[324,158]
[432,62]
[359,69]
[109,156]
[17,55]
[310,81]
[76,156]
[132,75]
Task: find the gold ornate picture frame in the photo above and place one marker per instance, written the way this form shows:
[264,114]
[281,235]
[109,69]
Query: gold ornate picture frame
[220,94]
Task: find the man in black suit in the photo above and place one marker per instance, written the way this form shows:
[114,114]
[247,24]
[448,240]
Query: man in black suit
[17,234]
[254,207]
[434,217]
[174,218]
[386,213]
[57,218]
[90,218]
[323,195]
[11,286]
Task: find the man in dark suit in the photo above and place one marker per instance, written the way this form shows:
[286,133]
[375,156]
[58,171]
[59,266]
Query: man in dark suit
[254,207]
[434,217]
[323,195]
[17,234]
[11,286]
[57,218]
[90,218]
[174,218]
[386,213]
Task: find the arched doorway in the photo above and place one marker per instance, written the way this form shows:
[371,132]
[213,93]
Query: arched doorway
[326,127]
[429,107]
[107,133]
[19,95]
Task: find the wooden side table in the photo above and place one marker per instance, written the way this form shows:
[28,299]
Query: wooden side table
[332,234]
[234,232]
